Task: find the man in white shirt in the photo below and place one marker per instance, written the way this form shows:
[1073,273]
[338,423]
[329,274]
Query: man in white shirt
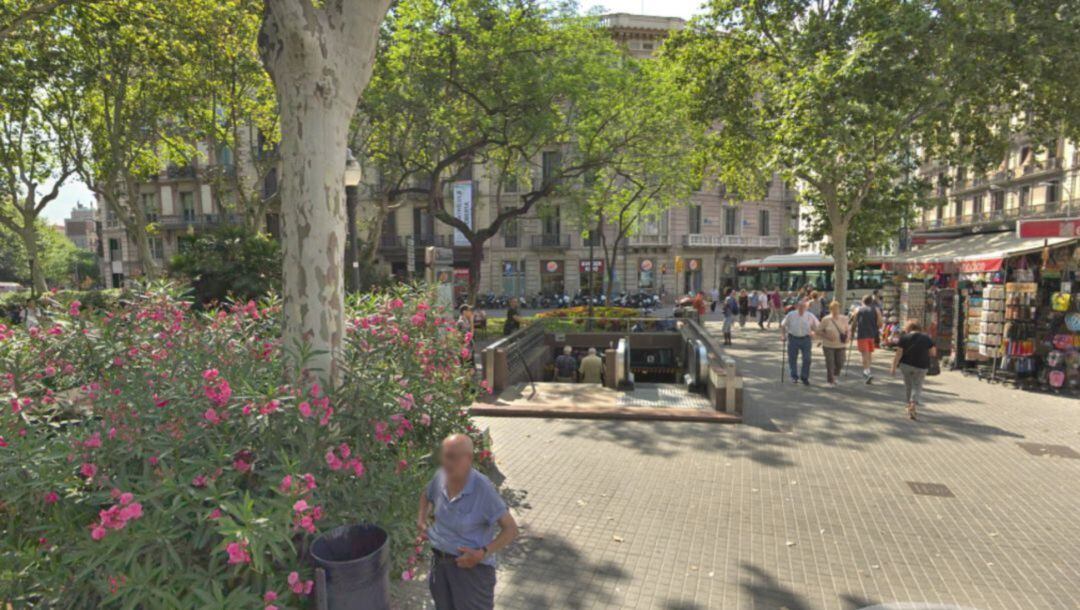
[798,328]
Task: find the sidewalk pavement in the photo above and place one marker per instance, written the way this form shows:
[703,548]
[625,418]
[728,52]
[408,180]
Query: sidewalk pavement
[824,498]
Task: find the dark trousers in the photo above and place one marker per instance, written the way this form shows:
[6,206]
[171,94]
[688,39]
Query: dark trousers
[455,588]
[834,361]
[796,346]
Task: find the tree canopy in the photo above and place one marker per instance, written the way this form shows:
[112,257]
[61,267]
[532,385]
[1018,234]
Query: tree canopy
[844,97]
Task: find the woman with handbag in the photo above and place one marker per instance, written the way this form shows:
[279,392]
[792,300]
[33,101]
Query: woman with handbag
[915,355]
[834,331]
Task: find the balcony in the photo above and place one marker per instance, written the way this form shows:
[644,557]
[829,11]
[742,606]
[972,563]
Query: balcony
[392,242]
[650,240]
[699,240]
[195,221]
[511,241]
[550,240]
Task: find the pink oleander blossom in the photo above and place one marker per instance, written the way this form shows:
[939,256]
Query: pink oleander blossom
[298,586]
[238,552]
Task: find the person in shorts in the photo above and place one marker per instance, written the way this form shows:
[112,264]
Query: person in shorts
[867,323]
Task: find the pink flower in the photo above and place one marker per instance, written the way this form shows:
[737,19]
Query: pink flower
[357,468]
[73,309]
[214,515]
[97,533]
[199,481]
[305,408]
[418,319]
[407,575]
[425,419]
[238,553]
[344,450]
[300,506]
[210,374]
[3,443]
[270,596]
[286,483]
[406,402]
[88,470]
[309,481]
[212,416]
[271,607]
[52,497]
[126,498]
[298,586]
[333,462]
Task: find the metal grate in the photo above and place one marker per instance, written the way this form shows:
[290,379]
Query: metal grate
[1041,450]
[930,489]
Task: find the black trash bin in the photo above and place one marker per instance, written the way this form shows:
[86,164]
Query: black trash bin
[352,568]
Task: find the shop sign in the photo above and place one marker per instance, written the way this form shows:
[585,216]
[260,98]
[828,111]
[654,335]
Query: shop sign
[596,266]
[551,267]
[694,264]
[461,274]
[646,265]
[1058,227]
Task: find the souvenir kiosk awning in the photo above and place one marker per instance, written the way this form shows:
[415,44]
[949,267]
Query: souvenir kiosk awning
[971,254]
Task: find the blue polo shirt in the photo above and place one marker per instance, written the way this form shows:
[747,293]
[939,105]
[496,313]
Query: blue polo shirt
[468,520]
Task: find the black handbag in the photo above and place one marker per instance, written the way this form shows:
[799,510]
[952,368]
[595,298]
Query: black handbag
[935,367]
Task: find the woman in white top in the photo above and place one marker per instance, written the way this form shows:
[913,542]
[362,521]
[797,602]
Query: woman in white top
[834,332]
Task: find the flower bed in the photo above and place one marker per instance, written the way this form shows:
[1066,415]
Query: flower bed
[153,456]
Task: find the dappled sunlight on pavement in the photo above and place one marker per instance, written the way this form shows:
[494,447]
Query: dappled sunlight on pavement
[824,498]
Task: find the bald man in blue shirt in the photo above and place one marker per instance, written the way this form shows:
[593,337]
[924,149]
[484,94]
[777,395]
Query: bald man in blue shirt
[470,524]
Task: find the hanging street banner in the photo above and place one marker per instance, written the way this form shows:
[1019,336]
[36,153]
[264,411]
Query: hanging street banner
[463,209]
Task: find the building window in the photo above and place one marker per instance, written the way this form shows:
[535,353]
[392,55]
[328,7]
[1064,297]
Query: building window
[114,249]
[150,207]
[552,221]
[157,247]
[997,199]
[695,219]
[763,223]
[551,162]
[187,205]
[731,221]
[1025,196]
[512,233]
[1051,193]
[111,220]
[977,206]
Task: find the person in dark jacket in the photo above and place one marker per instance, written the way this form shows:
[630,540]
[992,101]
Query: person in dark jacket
[913,356]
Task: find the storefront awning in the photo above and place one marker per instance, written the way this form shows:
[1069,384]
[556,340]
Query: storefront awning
[971,254]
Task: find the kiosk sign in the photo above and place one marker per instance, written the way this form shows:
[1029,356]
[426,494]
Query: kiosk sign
[1048,228]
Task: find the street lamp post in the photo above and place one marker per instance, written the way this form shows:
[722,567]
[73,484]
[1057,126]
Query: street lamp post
[353,174]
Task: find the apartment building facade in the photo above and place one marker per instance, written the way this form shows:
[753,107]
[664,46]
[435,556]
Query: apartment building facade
[695,246]
[181,200]
[1034,180]
[80,227]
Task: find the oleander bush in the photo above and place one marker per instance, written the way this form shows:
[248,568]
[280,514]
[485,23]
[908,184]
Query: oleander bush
[153,456]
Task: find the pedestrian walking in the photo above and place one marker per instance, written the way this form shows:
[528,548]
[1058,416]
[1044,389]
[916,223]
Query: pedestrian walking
[744,308]
[913,356]
[467,522]
[762,308]
[513,318]
[731,309]
[814,305]
[798,327]
[867,322]
[776,307]
[592,368]
[835,333]
[566,366]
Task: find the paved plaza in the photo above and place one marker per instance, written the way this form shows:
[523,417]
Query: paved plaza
[824,498]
